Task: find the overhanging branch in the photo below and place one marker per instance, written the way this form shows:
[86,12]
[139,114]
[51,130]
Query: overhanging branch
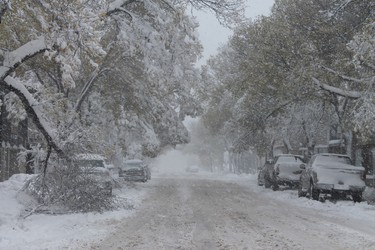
[32,110]
[338,91]
[13,59]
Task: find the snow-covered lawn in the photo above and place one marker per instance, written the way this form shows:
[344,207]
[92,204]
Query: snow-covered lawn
[21,230]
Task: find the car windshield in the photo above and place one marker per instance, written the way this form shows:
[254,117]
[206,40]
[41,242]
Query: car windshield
[90,163]
[129,165]
[289,159]
[323,159]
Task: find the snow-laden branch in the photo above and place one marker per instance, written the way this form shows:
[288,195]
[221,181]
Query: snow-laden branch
[341,7]
[344,77]
[346,93]
[33,110]
[86,89]
[4,6]
[16,57]
[118,5]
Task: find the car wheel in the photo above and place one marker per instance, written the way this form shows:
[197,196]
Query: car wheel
[357,197]
[335,196]
[300,192]
[313,193]
[275,186]
[267,182]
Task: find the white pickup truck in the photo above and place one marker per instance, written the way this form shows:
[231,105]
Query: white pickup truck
[332,174]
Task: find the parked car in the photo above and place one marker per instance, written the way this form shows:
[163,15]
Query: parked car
[284,169]
[287,170]
[94,166]
[334,175]
[135,170]
[192,169]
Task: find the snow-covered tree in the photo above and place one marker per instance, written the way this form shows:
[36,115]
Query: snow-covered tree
[288,68]
[156,37]
[110,76]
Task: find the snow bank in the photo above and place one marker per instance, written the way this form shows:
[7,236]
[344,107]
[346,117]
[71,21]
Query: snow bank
[20,230]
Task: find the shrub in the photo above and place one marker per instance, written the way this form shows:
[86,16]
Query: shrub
[70,190]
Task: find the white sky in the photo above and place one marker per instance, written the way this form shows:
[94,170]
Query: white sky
[213,35]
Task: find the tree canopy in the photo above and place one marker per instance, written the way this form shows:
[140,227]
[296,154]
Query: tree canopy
[107,76]
[294,75]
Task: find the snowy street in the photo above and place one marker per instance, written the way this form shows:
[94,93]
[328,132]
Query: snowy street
[199,213]
[191,211]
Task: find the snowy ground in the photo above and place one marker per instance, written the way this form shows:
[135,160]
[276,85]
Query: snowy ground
[20,230]
[192,211]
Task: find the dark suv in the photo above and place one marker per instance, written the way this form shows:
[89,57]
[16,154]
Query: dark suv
[284,169]
[93,166]
[135,170]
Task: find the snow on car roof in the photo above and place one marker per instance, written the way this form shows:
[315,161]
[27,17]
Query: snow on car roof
[89,157]
[335,159]
[332,154]
[289,155]
[133,161]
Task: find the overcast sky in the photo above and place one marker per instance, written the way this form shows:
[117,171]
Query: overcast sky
[212,34]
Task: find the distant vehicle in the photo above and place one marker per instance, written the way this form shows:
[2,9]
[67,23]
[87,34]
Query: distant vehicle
[334,175]
[135,170]
[94,166]
[192,169]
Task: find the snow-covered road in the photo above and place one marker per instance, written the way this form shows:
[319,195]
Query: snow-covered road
[212,213]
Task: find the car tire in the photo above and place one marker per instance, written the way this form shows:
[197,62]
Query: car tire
[275,186]
[335,196]
[267,182]
[300,192]
[357,197]
[313,193]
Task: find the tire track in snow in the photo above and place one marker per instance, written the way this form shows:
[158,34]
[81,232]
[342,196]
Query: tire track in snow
[187,213]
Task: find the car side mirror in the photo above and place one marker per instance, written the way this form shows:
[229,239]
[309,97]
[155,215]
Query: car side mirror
[302,166]
[269,161]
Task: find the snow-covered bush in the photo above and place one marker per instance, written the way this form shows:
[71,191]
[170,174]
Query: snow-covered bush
[69,190]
